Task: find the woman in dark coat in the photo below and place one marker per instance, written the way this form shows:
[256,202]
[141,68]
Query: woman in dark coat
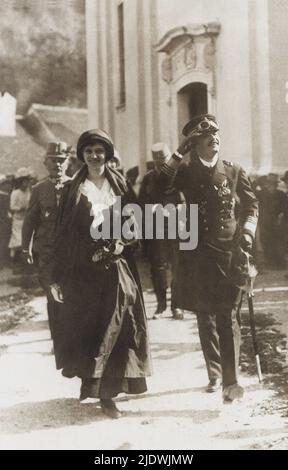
[101,331]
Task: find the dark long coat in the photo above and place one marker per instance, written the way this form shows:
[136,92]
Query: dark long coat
[5,227]
[101,328]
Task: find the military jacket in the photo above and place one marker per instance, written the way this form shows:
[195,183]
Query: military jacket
[227,207]
[40,218]
[225,199]
[151,192]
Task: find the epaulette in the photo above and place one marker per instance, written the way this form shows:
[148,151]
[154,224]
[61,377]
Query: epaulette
[228,163]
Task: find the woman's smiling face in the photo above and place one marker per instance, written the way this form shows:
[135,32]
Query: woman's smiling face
[94,155]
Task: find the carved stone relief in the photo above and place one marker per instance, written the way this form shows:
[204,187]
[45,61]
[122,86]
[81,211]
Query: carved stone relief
[167,73]
[190,55]
[188,48]
[209,55]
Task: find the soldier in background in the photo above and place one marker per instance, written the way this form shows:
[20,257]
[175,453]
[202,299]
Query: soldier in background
[271,201]
[39,224]
[162,254]
[73,165]
[5,221]
[209,275]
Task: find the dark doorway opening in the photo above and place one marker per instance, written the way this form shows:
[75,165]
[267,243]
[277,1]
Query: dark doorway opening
[192,100]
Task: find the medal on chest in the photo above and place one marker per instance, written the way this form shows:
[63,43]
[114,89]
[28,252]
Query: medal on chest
[222,188]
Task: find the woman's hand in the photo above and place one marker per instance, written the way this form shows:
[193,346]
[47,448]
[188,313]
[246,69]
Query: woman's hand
[119,247]
[100,254]
[104,253]
[57,293]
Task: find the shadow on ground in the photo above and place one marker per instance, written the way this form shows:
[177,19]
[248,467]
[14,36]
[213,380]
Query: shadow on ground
[32,416]
[27,417]
[250,433]
[273,363]
[172,350]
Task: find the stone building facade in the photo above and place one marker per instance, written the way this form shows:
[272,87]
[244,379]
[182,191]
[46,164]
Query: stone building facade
[153,64]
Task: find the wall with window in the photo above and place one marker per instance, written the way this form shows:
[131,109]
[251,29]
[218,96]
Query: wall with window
[132,101]
[232,90]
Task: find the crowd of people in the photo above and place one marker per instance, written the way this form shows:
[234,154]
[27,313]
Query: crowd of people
[15,192]
[271,244]
[95,302]
[272,234]
[15,195]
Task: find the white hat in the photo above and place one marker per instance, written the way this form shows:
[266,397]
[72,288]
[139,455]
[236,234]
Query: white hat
[23,172]
[160,149]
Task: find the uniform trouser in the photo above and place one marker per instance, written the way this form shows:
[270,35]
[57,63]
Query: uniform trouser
[163,253]
[219,334]
[51,304]
[51,307]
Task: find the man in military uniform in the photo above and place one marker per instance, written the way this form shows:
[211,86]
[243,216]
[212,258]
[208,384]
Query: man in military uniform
[39,222]
[161,253]
[227,219]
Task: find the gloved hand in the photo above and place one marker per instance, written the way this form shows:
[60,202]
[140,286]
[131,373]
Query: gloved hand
[100,254]
[118,248]
[186,145]
[105,252]
[57,293]
[246,242]
[27,257]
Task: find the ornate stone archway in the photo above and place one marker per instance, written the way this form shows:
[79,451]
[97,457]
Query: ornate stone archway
[190,56]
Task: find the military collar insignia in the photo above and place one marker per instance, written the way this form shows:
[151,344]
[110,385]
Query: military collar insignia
[220,181]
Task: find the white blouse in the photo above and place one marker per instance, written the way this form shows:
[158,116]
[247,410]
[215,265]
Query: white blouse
[100,199]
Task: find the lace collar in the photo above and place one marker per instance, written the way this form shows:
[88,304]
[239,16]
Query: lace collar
[100,199]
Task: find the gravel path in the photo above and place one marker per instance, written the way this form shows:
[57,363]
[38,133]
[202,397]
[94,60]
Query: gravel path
[39,409]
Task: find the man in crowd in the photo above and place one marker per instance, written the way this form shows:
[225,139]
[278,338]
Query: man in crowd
[162,253]
[211,275]
[39,223]
[19,202]
[271,203]
[5,221]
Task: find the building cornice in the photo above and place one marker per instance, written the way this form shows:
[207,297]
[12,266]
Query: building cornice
[175,36]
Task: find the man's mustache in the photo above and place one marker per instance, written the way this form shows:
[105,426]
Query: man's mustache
[214,141]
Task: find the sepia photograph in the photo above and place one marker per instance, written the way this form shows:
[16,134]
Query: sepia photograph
[144,227]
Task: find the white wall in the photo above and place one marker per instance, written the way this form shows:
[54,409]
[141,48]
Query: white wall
[127,129]
[237,99]
[278,35]
[232,75]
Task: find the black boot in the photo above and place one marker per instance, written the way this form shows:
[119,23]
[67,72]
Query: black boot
[109,408]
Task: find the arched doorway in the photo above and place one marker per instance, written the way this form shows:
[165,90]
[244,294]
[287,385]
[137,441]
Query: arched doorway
[192,100]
